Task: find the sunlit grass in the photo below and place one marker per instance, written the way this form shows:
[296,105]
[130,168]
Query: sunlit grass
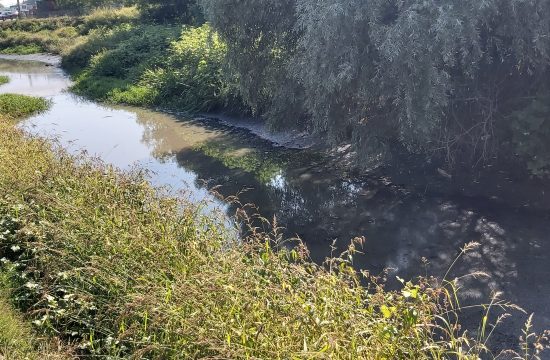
[22,49]
[17,106]
[4,80]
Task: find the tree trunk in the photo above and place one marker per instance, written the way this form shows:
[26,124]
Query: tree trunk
[18,9]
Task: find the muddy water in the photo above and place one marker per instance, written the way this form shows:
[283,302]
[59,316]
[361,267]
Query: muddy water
[307,198]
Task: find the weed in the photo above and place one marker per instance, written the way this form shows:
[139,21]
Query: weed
[17,106]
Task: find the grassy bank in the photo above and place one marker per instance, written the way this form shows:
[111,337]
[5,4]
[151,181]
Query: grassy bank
[166,66]
[56,35]
[116,57]
[17,338]
[102,260]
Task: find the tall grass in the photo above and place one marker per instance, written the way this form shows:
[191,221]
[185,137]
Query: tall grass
[55,35]
[17,106]
[4,79]
[103,260]
[108,18]
[18,341]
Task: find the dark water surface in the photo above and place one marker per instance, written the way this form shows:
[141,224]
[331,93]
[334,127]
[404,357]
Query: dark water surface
[308,198]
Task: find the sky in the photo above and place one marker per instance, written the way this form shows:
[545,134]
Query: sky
[7,2]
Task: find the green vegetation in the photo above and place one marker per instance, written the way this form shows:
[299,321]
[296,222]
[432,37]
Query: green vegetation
[435,78]
[4,79]
[101,259]
[55,35]
[114,57]
[186,11]
[40,35]
[341,70]
[153,65]
[18,341]
[16,106]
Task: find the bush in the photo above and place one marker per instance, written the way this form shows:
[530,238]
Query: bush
[192,78]
[79,55]
[185,11]
[4,79]
[142,48]
[148,65]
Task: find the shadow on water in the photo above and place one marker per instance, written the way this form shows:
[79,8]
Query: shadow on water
[307,197]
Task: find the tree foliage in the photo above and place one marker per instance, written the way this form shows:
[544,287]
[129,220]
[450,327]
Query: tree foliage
[435,77]
[169,10]
[261,39]
[85,5]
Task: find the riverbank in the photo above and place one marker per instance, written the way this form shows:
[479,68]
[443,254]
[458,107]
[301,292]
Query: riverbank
[98,257]
[179,69]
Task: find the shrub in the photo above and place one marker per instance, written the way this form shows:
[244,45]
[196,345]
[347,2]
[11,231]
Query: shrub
[79,55]
[191,78]
[149,65]
[186,11]
[143,47]
[4,79]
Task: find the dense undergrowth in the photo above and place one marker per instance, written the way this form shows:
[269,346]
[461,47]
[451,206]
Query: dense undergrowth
[18,340]
[153,65]
[113,267]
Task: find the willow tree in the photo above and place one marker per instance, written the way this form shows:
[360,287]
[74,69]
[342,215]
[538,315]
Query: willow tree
[186,11]
[433,77]
[261,42]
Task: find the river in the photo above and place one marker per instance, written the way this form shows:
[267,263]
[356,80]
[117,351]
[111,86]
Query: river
[308,198]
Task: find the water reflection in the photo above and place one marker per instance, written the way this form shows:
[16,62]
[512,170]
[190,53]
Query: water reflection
[308,198]
[32,78]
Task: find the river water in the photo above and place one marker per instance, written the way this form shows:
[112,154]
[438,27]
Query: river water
[308,198]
